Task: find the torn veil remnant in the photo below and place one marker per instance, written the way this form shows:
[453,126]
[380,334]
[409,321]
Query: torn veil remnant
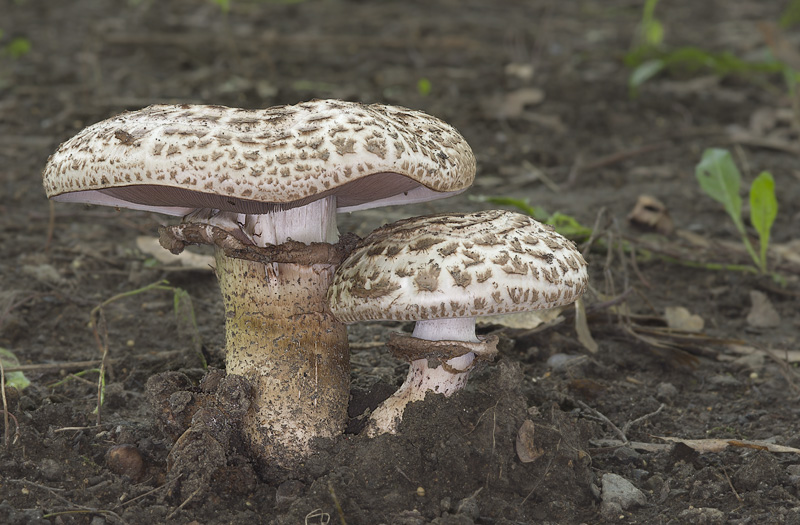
[443,271]
[258,178]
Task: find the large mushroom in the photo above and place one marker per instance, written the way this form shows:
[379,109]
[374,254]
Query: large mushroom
[271,178]
[443,271]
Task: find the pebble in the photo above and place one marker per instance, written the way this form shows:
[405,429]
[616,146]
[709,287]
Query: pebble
[289,491]
[666,391]
[723,380]
[702,516]
[125,460]
[618,491]
[559,362]
[468,507]
[50,469]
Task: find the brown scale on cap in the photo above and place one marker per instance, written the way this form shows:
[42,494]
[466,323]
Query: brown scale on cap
[529,266]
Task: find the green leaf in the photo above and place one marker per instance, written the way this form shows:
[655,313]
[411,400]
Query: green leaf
[720,179]
[644,72]
[791,15]
[15,379]
[520,204]
[187,322]
[424,87]
[652,29]
[18,47]
[763,210]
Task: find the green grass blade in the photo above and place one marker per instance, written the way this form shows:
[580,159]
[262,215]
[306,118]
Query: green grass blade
[763,210]
[187,322]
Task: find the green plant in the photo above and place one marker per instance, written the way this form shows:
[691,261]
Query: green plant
[720,179]
[15,379]
[424,87]
[564,224]
[791,15]
[16,48]
[649,57]
[183,310]
[101,384]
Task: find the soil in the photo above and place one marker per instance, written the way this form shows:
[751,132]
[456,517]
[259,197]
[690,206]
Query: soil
[539,90]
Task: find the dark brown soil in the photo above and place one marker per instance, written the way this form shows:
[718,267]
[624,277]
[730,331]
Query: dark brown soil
[454,460]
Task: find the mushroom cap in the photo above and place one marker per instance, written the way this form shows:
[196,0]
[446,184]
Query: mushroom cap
[177,158]
[457,265]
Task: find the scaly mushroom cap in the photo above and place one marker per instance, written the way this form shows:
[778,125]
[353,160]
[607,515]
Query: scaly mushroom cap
[174,159]
[457,265]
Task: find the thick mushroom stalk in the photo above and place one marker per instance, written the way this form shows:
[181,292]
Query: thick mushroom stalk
[280,335]
[434,372]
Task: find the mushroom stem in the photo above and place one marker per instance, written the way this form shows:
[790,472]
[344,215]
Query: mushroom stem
[441,378]
[281,336]
[445,379]
[448,329]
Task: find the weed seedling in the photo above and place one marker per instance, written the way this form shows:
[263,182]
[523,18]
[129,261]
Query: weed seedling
[15,379]
[720,179]
[566,225]
[650,57]
[184,315]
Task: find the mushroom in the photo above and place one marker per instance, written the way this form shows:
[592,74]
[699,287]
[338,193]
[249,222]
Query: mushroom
[265,185]
[443,271]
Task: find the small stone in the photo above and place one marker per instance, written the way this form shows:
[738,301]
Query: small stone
[762,314]
[126,460]
[724,380]
[289,491]
[468,507]
[453,519]
[702,516]
[560,362]
[611,510]
[626,455]
[51,470]
[619,490]
[666,391]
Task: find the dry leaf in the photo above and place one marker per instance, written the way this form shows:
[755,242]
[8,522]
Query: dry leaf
[790,356]
[679,318]
[762,314]
[526,449]
[650,213]
[520,70]
[788,251]
[514,103]
[523,320]
[718,445]
[582,328]
[187,259]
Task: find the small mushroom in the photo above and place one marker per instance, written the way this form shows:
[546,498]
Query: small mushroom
[268,183]
[443,271]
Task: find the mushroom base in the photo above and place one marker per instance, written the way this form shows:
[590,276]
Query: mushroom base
[281,336]
[446,378]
